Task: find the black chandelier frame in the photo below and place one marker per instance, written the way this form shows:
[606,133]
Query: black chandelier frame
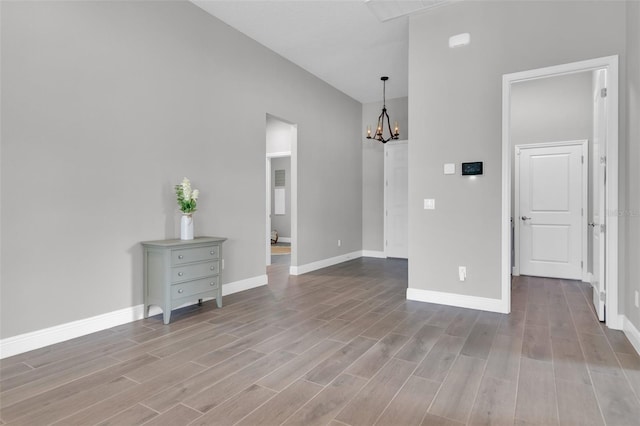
[393,134]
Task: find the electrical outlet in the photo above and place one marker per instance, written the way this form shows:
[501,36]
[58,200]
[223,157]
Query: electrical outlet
[339,243]
[637,299]
[462,273]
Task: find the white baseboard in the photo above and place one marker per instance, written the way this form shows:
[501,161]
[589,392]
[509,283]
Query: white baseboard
[48,336]
[588,279]
[459,300]
[615,322]
[284,239]
[374,253]
[59,333]
[631,332]
[303,269]
[242,285]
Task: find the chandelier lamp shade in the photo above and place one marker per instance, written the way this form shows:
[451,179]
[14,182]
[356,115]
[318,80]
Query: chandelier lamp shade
[384,123]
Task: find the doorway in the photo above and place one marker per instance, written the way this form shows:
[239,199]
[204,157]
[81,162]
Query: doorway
[605,287]
[281,193]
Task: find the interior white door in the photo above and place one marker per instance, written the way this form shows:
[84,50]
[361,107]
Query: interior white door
[268,211]
[550,194]
[396,171]
[598,199]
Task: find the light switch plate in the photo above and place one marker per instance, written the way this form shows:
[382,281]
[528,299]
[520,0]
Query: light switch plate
[450,169]
[429,204]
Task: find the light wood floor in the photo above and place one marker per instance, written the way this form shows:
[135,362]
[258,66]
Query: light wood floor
[338,346]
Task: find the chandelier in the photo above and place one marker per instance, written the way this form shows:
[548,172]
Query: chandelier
[382,126]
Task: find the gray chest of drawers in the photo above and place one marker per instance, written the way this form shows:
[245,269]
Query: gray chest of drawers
[180,271]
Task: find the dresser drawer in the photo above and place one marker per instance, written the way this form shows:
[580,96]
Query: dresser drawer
[188,255]
[193,288]
[195,270]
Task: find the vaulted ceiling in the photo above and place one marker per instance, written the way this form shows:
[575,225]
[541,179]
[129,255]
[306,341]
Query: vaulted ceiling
[349,44]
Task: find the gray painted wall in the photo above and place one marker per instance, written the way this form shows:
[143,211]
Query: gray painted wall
[107,105]
[631,216]
[373,170]
[455,105]
[552,109]
[281,222]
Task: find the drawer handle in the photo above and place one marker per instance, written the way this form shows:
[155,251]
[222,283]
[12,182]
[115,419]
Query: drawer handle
[212,284]
[180,274]
[180,290]
[212,252]
[212,268]
[180,256]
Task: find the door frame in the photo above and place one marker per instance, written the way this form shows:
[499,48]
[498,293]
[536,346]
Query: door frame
[385,195]
[585,199]
[610,63]
[293,153]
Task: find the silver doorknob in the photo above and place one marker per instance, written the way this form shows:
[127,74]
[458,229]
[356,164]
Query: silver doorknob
[592,224]
[525,218]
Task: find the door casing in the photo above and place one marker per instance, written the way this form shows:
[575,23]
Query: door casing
[610,63]
[293,153]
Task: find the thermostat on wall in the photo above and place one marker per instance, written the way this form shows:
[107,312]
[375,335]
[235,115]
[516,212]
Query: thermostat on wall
[472,169]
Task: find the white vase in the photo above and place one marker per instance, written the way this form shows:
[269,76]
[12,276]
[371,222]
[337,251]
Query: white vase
[186,227]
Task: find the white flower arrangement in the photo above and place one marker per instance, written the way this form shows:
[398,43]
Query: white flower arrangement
[187,197]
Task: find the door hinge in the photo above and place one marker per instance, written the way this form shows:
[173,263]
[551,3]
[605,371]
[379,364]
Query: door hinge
[603,160]
[582,159]
[582,264]
[386,243]
[386,182]
[603,92]
[603,228]
[386,212]
[603,296]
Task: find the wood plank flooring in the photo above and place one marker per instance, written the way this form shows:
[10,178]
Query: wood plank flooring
[339,346]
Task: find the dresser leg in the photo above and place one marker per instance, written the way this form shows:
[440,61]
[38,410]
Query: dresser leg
[166,316]
[199,302]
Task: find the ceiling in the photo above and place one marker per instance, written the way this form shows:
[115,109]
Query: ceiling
[343,42]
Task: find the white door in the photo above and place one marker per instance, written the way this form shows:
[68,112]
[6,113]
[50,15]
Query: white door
[598,200]
[550,197]
[268,211]
[396,175]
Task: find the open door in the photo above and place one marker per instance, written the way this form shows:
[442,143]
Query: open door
[597,224]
